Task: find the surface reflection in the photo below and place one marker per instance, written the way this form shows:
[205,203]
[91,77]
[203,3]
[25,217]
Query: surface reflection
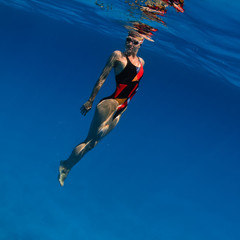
[151,11]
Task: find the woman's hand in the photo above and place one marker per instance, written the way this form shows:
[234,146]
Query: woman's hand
[86,107]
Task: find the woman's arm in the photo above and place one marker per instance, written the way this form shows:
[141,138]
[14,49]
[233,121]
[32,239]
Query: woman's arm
[106,70]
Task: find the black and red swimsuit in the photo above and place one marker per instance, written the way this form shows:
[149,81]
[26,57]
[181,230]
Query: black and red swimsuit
[127,85]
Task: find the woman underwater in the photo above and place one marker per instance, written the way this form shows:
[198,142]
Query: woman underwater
[128,69]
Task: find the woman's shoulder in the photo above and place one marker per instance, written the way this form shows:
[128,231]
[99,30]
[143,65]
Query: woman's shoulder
[118,54]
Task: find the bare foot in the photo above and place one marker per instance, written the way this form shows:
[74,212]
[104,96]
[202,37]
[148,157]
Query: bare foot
[63,172]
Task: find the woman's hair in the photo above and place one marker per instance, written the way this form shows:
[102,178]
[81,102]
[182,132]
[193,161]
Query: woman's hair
[136,35]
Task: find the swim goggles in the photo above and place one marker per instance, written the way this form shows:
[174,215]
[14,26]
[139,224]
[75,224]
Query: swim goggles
[135,42]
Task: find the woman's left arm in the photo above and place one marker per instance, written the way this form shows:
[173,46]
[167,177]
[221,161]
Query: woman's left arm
[106,70]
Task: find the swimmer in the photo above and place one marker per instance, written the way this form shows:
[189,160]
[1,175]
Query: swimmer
[128,69]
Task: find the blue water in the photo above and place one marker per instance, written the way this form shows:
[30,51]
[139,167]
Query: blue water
[170,169]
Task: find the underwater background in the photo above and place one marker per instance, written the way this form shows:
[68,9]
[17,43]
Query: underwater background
[170,169]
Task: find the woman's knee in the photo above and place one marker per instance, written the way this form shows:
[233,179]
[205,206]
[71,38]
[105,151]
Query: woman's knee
[90,144]
[84,147]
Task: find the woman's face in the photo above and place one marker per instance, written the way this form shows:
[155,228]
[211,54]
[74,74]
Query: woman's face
[132,44]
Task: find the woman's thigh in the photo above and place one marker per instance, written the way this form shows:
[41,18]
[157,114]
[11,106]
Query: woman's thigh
[103,118]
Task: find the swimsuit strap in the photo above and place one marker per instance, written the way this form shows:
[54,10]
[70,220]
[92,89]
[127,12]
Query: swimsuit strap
[140,61]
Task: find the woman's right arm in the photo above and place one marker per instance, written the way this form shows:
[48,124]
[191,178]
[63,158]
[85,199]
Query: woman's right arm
[106,70]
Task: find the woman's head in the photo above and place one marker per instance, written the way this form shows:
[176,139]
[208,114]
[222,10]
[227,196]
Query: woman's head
[133,42]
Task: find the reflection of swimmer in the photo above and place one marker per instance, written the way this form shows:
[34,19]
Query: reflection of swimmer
[128,68]
[143,30]
[154,9]
[177,4]
[153,16]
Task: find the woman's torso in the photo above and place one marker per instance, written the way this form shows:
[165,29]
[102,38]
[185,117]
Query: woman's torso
[127,82]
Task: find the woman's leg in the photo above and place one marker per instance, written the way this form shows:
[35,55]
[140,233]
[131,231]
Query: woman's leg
[101,125]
